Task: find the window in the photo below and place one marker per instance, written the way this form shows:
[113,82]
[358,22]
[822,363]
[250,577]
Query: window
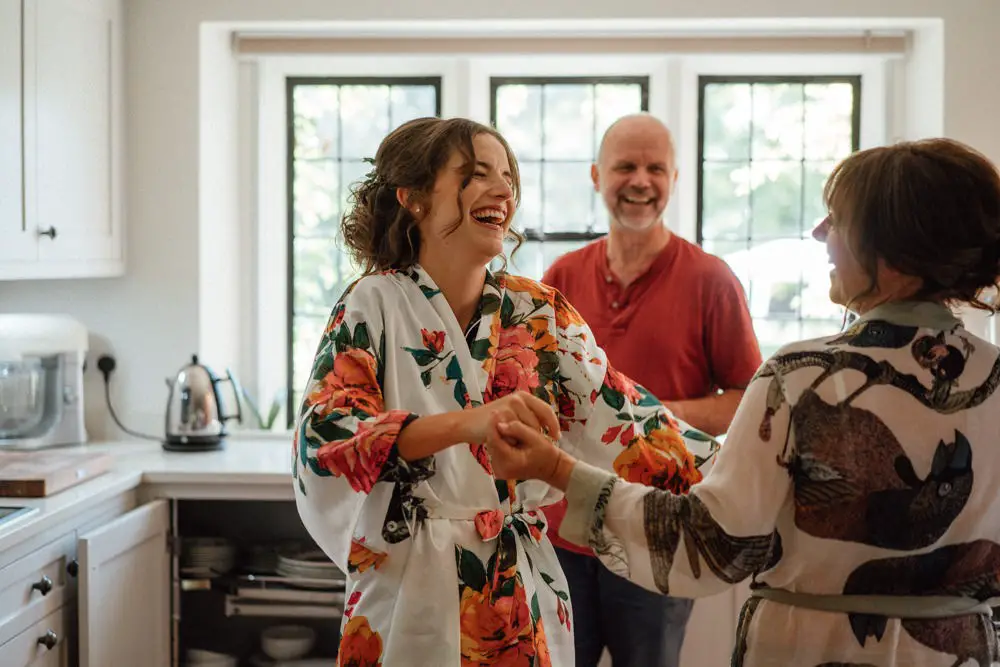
[334,124]
[554,126]
[766,146]
[745,193]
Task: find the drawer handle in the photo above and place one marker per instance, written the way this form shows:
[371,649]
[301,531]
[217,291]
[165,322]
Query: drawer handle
[73,568]
[50,232]
[48,640]
[43,586]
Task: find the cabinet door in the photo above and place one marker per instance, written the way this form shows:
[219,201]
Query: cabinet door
[124,590]
[15,241]
[72,121]
[42,645]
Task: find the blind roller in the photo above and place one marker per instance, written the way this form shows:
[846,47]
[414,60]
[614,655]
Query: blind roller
[861,43]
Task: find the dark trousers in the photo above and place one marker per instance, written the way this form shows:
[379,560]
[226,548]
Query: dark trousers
[639,628]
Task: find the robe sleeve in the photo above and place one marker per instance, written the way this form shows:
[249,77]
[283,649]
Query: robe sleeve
[610,422]
[345,439]
[697,544]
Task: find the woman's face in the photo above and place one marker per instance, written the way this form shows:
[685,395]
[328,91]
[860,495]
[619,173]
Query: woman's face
[850,283]
[848,279]
[484,207]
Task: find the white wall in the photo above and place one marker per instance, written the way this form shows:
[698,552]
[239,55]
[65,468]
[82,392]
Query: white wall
[153,317]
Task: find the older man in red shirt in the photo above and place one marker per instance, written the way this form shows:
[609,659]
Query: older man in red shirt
[675,319]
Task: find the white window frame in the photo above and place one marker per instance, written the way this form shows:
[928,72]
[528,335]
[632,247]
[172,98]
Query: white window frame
[270,259]
[465,91]
[875,130]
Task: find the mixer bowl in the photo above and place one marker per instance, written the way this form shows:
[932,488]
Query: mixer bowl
[22,397]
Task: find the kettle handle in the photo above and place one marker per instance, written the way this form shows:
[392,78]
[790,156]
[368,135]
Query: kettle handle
[239,397]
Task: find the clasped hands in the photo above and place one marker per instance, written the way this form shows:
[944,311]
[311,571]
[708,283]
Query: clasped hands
[520,432]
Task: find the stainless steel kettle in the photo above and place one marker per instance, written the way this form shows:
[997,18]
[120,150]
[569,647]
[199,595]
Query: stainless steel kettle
[195,418]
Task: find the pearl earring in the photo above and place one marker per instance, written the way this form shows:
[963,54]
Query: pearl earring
[416,210]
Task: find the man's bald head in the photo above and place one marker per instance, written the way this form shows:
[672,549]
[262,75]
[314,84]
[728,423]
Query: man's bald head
[636,125]
[635,171]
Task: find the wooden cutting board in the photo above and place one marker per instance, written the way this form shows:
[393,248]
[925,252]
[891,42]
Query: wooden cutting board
[43,473]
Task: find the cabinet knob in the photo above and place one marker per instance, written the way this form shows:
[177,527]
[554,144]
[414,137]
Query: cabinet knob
[43,585]
[49,640]
[73,568]
[50,232]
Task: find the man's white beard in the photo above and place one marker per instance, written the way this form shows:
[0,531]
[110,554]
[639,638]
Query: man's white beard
[636,226]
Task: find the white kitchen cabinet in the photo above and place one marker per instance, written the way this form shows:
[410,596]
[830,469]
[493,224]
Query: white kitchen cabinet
[15,243]
[69,75]
[124,590]
[44,644]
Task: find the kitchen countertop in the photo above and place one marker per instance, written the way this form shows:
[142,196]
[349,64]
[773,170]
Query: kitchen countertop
[251,468]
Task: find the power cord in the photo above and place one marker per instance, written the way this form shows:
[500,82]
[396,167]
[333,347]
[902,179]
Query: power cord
[106,364]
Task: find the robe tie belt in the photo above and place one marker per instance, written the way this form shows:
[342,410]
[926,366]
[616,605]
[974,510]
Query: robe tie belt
[889,606]
[504,527]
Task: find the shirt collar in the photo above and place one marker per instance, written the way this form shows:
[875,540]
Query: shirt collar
[927,314]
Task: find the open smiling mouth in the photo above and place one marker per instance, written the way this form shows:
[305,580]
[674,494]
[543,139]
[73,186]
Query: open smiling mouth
[638,201]
[490,217]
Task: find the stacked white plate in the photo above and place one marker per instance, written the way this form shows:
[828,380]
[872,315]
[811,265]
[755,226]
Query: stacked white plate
[264,661]
[207,556]
[197,657]
[263,558]
[311,569]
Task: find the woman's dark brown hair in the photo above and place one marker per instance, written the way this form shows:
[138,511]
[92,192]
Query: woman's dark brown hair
[929,209]
[379,233]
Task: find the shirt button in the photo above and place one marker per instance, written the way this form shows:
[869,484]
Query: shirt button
[614,305]
[608,278]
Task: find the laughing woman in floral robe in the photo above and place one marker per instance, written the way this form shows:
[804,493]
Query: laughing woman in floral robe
[448,565]
[858,482]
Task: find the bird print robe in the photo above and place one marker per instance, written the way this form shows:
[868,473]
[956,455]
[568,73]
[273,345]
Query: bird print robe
[447,565]
[864,463]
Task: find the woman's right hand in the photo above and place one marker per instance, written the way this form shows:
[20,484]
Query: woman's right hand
[519,406]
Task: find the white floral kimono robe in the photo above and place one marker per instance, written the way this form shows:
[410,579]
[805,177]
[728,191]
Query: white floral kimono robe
[448,566]
[858,486]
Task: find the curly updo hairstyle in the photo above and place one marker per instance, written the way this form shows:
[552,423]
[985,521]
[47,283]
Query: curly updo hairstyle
[379,233]
[929,209]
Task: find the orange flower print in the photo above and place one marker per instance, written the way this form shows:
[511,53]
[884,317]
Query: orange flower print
[360,458]
[623,433]
[659,459]
[542,657]
[362,558]
[335,319]
[360,646]
[498,634]
[567,410]
[489,523]
[534,289]
[351,384]
[352,602]
[516,363]
[622,385]
[566,314]
[544,340]
[478,450]
[562,612]
[433,340]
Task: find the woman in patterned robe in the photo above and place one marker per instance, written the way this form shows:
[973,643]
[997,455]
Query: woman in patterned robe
[447,564]
[858,483]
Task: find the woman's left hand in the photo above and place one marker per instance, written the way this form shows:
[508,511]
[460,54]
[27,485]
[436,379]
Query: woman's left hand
[518,451]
